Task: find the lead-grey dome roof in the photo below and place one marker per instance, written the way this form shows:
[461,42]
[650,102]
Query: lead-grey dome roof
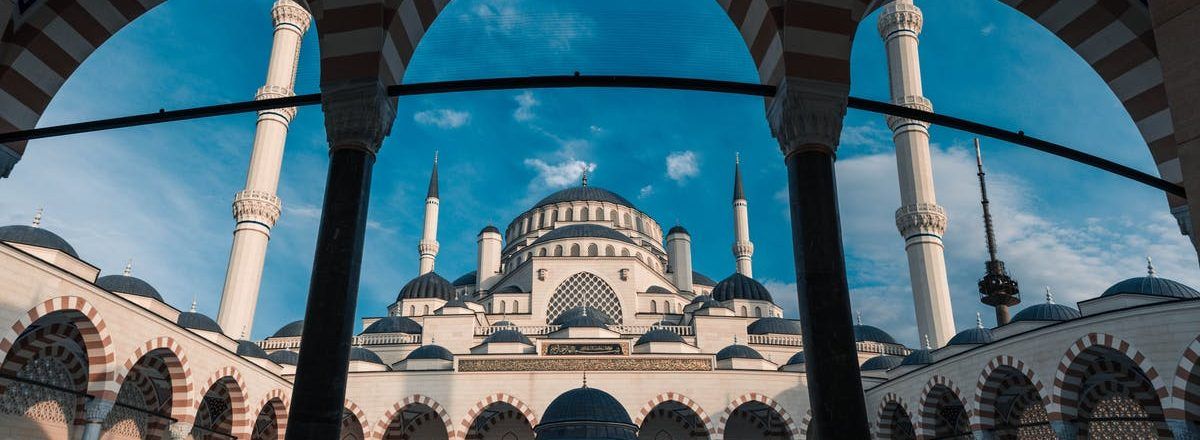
[430,285]
[590,319]
[584,193]
[797,358]
[738,351]
[507,335]
[431,352]
[128,285]
[702,279]
[365,355]
[774,325]
[738,286]
[574,312]
[584,230]
[975,335]
[291,329]
[284,357]
[36,237]
[918,357]
[657,289]
[197,321]
[585,414]
[1153,286]
[250,349]
[678,229]
[394,324]
[1047,312]
[882,362]
[658,335]
[870,333]
[466,279]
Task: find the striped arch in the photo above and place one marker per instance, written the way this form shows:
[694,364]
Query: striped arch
[233,382]
[360,415]
[987,389]
[885,416]
[520,405]
[93,330]
[280,419]
[177,366]
[46,341]
[381,426]
[682,400]
[928,413]
[805,424]
[1185,389]
[1069,377]
[763,399]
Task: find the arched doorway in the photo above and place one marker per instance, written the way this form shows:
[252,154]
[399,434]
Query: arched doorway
[267,426]
[352,427]
[672,420]
[218,408]
[145,400]
[500,421]
[1011,407]
[416,421]
[895,423]
[1116,397]
[943,415]
[755,420]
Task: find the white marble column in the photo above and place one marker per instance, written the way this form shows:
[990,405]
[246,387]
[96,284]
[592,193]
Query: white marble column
[920,220]
[256,208]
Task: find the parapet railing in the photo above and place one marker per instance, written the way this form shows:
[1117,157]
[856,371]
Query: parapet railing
[527,330]
[538,330]
[371,339]
[786,340]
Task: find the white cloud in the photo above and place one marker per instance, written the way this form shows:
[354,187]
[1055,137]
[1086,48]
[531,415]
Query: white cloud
[871,137]
[988,30]
[558,175]
[442,118]
[525,104]
[646,191]
[682,165]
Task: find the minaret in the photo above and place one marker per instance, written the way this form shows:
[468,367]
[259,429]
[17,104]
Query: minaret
[488,262]
[920,220]
[428,247]
[743,249]
[679,257]
[996,288]
[256,208]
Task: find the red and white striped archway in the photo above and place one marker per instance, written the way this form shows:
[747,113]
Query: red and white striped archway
[927,411]
[278,398]
[1069,376]
[788,421]
[94,332]
[381,427]
[175,359]
[478,407]
[231,379]
[885,416]
[991,384]
[672,396]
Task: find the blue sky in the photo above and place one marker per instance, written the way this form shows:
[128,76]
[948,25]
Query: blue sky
[161,194]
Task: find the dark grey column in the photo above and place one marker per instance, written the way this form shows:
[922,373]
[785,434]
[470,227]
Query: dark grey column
[806,118]
[357,118]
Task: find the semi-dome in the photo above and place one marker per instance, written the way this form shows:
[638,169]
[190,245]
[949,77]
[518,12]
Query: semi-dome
[250,349]
[284,357]
[456,301]
[511,288]
[466,279]
[290,330]
[197,321]
[583,193]
[507,335]
[584,230]
[394,324]
[677,229]
[585,413]
[586,319]
[796,359]
[976,335]
[738,351]
[574,312]
[128,285]
[882,362]
[738,286]
[658,335]
[1152,286]
[1047,312]
[364,355]
[702,279]
[918,357]
[774,325]
[430,352]
[428,286]
[870,333]
[657,289]
[35,236]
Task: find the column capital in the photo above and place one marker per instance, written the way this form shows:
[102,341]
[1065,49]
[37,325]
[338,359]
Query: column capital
[179,431]
[921,219]
[289,13]
[807,114]
[358,114]
[900,16]
[96,410]
[273,92]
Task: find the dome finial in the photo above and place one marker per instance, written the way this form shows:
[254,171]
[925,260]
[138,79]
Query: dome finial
[1150,267]
[1049,295]
[927,345]
[128,268]
[585,171]
[978,320]
[585,379]
[243,336]
[735,340]
[37,217]
[193,308]
[858,317]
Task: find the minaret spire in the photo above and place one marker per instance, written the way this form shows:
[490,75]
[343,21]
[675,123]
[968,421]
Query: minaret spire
[428,247]
[743,248]
[433,178]
[996,288]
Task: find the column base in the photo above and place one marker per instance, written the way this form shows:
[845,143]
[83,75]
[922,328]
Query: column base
[1184,430]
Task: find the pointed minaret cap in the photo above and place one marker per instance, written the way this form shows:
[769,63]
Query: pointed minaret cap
[738,192]
[433,179]
[128,268]
[37,217]
[1150,267]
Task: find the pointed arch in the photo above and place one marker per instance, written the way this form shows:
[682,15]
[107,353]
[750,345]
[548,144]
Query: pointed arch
[101,366]
[893,419]
[1126,375]
[175,359]
[381,427]
[1000,374]
[483,403]
[788,421]
[934,417]
[231,379]
[278,401]
[584,289]
[352,408]
[1186,385]
[671,396]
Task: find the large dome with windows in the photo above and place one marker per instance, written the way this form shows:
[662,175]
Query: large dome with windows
[584,194]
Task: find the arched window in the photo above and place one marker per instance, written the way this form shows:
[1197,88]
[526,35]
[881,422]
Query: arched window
[584,289]
[558,250]
[668,306]
[583,214]
[412,310]
[541,219]
[426,309]
[624,252]
[610,251]
[553,217]
[612,215]
[599,214]
[628,220]
[744,311]
[516,306]
[575,250]
[638,222]
[593,250]
[758,312]
[570,214]
[503,307]
[653,307]
[542,252]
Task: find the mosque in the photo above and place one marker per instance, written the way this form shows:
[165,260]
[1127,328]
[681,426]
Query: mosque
[583,319]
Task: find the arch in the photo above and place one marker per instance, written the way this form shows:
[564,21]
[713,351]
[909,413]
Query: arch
[575,250]
[584,289]
[599,213]
[681,399]
[92,328]
[1186,385]
[789,423]
[383,426]
[503,307]
[628,220]
[584,215]
[934,418]
[481,404]
[653,307]
[570,214]
[359,420]
[1001,374]
[614,218]
[805,424]
[48,353]
[624,252]
[610,251]
[278,400]
[757,312]
[1130,374]
[742,311]
[231,380]
[426,312]
[516,306]
[558,250]
[893,419]
[176,361]
[542,252]
[593,250]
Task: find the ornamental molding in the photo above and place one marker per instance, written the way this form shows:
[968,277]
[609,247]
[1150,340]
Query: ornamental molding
[287,12]
[273,92]
[921,219]
[807,115]
[358,114]
[915,102]
[179,431]
[584,364]
[743,249]
[900,17]
[428,247]
[256,206]
[97,410]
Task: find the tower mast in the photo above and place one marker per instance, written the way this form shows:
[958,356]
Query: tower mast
[996,288]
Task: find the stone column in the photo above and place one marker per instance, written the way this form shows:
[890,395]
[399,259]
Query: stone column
[806,118]
[358,115]
[1183,430]
[256,208]
[179,431]
[920,220]
[95,412]
[1175,24]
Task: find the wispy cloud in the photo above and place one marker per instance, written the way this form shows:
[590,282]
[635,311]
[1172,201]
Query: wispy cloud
[646,191]
[988,29]
[442,118]
[525,104]
[559,174]
[682,165]
[870,137]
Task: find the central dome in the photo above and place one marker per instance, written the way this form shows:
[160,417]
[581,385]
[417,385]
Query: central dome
[584,193]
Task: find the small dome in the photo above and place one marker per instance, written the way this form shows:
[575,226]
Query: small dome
[128,285]
[430,285]
[797,358]
[738,351]
[677,229]
[702,280]
[503,324]
[870,333]
[250,349]
[1152,286]
[882,362]
[584,193]
[586,320]
[705,302]
[34,236]
[466,279]
[291,330]
[511,288]
[507,335]
[918,357]
[365,355]
[972,336]
[579,311]
[394,324]
[658,335]
[774,325]
[457,301]
[197,321]
[489,228]
[585,413]
[284,357]
[430,352]
[658,289]
[738,286]
[583,230]
[1047,312]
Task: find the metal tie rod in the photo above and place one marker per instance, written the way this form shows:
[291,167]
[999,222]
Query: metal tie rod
[625,81]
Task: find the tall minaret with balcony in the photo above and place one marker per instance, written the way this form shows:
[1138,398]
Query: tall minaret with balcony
[428,248]
[256,208]
[743,249]
[920,220]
